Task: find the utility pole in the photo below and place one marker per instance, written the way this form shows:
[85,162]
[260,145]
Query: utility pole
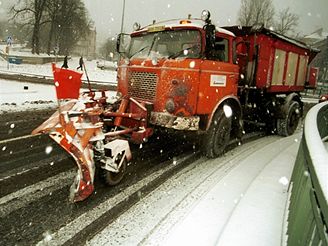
[122,24]
[123,11]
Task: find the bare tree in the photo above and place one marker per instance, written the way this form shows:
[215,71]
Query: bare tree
[31,12]
[286,22]
[63,22]
[52,9]
[108,49]
[73,23]
[254,12]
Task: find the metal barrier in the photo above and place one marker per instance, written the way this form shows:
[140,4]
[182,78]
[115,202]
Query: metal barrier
[308,209]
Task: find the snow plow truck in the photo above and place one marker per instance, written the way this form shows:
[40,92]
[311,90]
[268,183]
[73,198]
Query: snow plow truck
[183,75]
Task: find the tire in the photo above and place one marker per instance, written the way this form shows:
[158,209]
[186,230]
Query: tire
[218,135]
[287,125]
[112,178]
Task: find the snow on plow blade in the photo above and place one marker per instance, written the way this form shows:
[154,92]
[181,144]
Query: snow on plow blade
[74,128]
[72,132]
[94,129]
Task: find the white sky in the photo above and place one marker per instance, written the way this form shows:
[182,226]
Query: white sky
[107,14]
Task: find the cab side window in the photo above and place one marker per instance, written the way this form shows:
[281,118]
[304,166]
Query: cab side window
[221,51]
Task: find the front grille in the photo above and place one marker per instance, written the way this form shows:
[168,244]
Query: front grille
[142,85]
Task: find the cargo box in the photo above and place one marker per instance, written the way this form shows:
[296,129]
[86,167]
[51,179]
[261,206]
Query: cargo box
[271,61]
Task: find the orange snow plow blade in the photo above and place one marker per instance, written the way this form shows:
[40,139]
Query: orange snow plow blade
[95,128]
[74,129]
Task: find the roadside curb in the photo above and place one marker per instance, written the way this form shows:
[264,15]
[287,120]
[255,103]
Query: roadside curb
[42,79]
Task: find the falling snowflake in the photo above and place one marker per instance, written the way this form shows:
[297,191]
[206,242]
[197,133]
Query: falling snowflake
[283,180]
[227,111]
[169,6]
[185,52]
[140,147]
[48,150]
[12,126]
[4,148]
[174,161]
[154,61]
[47,236]
[192,64]
[56,84]
[51,163]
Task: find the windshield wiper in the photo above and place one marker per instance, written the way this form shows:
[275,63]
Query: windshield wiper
[142,49]
[180,52]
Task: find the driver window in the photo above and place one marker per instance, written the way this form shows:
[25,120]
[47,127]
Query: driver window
[220,52]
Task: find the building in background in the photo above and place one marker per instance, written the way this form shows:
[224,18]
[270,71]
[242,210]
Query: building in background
[319,39]
[86,47]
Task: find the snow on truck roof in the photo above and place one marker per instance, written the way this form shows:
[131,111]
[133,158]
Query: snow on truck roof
[247,30]
[196,23]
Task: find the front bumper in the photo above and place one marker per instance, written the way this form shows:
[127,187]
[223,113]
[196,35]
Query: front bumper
[167,120]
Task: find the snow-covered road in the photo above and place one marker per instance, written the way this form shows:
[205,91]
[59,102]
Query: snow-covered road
[238,199]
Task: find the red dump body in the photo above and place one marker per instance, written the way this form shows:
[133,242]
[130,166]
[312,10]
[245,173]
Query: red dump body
[271,61]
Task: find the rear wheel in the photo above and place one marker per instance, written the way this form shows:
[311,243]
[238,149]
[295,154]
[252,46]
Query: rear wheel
[218,135]
[287,125]
[113,178]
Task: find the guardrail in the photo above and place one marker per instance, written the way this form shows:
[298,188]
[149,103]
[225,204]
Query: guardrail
[308,209]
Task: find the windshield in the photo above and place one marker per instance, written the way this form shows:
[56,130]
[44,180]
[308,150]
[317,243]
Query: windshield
[169,44]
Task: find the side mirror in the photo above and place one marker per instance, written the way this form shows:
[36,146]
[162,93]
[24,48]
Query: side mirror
[210,38]
[122,44]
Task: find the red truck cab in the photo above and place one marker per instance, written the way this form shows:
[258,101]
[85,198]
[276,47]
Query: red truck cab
[168,66]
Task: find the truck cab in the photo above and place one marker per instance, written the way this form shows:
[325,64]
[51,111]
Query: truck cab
[185,68]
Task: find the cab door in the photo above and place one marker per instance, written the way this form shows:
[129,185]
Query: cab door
[218,76]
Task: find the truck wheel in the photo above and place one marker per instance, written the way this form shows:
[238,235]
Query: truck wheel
[288,125]
[218,135]
[112,178]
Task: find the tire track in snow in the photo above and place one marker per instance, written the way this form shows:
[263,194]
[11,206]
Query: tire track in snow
[23,197]
[129,230]
[70,230]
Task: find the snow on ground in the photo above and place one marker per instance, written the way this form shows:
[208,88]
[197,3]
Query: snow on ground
[18,96]
[18,92]
[21,96]
[94,73]
[237,199]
